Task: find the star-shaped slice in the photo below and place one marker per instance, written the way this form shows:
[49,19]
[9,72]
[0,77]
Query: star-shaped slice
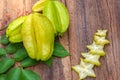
[84,70]
[90,58]
[101,40]
[101,33]
[96,49]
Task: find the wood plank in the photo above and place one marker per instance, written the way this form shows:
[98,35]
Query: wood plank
[90,15]
[86,16]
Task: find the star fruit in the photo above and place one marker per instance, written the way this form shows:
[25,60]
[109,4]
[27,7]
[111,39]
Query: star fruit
[84,69]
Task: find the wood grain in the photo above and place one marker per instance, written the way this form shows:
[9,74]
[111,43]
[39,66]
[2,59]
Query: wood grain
[86,16]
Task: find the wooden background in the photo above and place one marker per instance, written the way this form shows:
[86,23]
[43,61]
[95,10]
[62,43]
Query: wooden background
[86,16]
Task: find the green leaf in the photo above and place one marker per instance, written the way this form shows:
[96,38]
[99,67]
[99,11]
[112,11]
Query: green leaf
[12,48]
[2,51]
[49,62]
[4,40]
[59,50]
[14,74]
[20,54]
[3,77]
[29,75]
[5,64]
[29,62]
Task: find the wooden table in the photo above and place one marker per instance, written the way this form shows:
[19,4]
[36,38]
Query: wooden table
[86,16]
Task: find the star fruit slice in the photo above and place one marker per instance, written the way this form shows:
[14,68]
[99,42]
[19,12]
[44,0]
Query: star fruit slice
[90,58]
[96,49]
[101,40]
[101,33]
[84,70]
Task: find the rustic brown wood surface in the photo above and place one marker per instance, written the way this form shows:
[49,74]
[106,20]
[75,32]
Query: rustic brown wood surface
[86,16]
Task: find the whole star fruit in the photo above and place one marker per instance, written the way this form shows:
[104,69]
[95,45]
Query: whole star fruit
[38,36]
[58,15]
